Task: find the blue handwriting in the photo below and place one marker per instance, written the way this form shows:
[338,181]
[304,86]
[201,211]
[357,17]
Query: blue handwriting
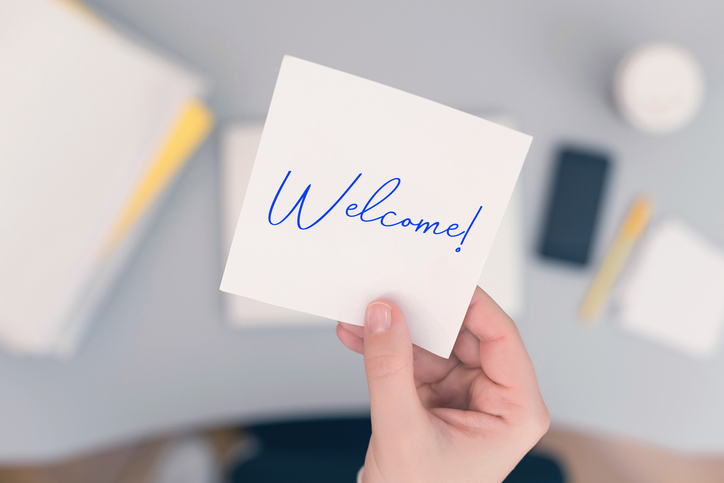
[388,219]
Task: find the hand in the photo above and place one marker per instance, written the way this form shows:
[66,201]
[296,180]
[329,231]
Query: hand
[469,418]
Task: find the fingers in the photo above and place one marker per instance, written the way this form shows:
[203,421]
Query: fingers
[502,354]
[467,348]
[350,340]
[357,330]
[395,407]
[428,366]
[431,368]
[452,391]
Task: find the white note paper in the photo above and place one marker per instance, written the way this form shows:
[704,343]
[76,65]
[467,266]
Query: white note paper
[502,277]
[361,191]
[675,291]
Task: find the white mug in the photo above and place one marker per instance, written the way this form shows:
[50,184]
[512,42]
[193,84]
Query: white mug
[659,87]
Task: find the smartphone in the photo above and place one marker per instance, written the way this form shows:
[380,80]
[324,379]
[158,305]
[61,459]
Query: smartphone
[574,206]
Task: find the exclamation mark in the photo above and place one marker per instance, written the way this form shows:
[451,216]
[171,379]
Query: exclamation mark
[468,230]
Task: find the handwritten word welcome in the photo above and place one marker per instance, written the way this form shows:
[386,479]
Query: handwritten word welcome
[377,198]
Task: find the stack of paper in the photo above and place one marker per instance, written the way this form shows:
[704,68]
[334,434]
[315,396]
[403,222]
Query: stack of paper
[674,294]
[92,129]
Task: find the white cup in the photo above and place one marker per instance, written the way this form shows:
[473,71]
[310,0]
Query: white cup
[659,87]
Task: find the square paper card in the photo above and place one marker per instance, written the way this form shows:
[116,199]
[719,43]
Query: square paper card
[361,191]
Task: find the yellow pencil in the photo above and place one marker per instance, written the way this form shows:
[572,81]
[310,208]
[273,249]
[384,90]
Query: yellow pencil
[626,238]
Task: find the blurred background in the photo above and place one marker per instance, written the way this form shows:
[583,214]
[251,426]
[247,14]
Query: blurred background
[128,129]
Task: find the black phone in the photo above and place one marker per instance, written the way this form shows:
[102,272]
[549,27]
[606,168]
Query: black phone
[574,205]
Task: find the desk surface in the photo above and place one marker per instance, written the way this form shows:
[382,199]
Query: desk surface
[160,356]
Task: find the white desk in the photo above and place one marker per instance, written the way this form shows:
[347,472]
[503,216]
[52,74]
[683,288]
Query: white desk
[160,358]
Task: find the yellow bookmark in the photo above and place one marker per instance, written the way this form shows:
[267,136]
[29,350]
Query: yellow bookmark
[191,129]
[626,238]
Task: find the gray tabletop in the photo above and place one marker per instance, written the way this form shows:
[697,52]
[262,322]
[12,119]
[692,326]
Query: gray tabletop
[160,356]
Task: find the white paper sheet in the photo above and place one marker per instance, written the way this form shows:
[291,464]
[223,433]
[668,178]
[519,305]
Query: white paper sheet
[82,113]
[239,148]
[502,275]
[674,293]
[404,197]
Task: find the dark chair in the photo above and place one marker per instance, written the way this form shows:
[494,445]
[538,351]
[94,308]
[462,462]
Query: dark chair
[333,450]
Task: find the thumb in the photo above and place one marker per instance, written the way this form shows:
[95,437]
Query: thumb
[395,406]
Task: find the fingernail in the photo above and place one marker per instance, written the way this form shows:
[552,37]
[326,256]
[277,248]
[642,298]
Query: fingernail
[378,317]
